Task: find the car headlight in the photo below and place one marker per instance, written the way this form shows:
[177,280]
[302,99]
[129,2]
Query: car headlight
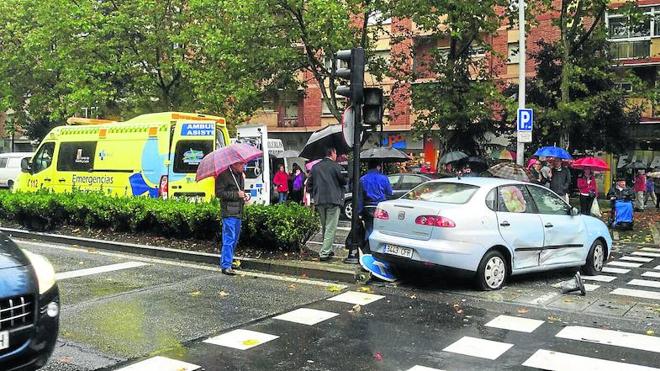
[44,271]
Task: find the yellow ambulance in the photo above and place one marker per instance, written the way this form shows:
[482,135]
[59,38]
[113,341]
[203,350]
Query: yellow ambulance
[154,155]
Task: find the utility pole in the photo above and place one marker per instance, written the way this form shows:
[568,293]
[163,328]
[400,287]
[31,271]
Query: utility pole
[522,54]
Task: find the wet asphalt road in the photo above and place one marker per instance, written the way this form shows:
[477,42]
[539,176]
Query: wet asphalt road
[115,319]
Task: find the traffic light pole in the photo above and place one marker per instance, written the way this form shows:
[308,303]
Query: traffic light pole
[356,237]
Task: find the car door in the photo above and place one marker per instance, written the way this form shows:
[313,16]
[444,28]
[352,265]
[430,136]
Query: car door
[42,169]
[519,224]
[564,234]
[4,171]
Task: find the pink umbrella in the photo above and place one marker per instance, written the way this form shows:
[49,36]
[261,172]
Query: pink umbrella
[311,164]
[593,163]
[219,160]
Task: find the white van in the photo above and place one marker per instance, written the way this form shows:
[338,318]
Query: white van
[10,167]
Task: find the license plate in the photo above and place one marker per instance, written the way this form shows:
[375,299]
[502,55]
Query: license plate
[4,340]
[399,251]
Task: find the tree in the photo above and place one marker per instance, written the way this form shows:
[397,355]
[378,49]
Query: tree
[454,90]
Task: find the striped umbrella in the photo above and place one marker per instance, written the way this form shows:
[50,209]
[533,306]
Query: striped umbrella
[219,160]
[510,170]
[503,155]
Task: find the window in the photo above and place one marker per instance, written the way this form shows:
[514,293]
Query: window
[76,156]
[477,50]
[625,86]
[619,27]
[548,203]
[44,157]
[512,53]
[411,181]
[450,193]
[189,153]
[219,138]
[379,58]
[394,181]
[377,17]
[514,199]
[3,162]
[491,199]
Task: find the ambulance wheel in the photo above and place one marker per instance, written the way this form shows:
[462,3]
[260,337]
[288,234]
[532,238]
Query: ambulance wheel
[595,259]
[10,184]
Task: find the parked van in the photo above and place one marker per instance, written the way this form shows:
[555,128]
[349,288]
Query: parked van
[10,167]
[154,155]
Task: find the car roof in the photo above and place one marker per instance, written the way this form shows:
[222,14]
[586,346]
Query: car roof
[479,181]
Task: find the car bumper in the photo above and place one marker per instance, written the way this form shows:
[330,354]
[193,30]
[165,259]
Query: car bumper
[36,351]
[460,256]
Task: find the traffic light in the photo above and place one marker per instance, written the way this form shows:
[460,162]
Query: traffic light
[354,73]
[372,110]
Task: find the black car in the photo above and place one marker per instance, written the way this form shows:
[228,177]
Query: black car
[29,308]
[401,184]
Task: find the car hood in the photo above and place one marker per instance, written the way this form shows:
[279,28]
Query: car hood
[10,254]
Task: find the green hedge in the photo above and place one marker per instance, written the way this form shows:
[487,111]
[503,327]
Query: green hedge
[287,226]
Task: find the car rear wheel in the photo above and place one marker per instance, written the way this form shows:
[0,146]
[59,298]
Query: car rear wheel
[595,259]
[348,208]
[492,271]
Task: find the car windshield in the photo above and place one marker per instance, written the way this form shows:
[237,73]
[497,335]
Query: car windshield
[450,193]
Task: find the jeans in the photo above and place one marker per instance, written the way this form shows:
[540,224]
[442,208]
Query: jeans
[231,230]
[585,204]
[282,197]
[640,200]
[329,218]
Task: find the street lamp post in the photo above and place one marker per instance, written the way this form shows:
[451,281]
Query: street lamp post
[520,148]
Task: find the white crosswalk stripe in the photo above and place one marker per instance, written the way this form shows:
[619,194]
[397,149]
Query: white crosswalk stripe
[647,283]
[657,268]
[241,339]
[637,259]
[423,368]
[647,254]
[637,293]
[599,278]
[651,249]
[476,347]
[515,323]
[97,270]
[611,337]
[354,297]
[625,264]
[615,270]
[651,274]
[549,360]
[306,316]
[161,364]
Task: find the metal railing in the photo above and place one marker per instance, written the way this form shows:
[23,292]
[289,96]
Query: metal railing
[630,49]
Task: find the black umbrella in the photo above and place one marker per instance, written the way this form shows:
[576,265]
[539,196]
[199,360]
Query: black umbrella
[384,154]
[319,141]
[477,163]
[452,157]
[636,165]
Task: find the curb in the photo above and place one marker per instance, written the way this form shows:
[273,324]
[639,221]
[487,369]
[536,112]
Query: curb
[266,266]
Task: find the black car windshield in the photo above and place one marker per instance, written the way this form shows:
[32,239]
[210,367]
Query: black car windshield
[450,193]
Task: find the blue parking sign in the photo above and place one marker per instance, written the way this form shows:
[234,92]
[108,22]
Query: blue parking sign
[525,119]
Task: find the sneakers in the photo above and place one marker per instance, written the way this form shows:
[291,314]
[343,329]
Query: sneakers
[327,258]
[229,272]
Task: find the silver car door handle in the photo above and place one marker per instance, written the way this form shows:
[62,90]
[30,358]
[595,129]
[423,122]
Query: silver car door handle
[505,224]
[549,225]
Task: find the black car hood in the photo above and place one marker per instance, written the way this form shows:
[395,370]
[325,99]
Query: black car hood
[10,255]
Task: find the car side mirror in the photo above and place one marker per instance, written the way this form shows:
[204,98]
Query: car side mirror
[575,211]
[25,165]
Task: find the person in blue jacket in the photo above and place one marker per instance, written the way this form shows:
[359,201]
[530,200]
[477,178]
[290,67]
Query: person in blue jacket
[375,188]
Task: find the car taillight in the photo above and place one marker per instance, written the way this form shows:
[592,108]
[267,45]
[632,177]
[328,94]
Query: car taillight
[381,214]
[163,187]
[435,221]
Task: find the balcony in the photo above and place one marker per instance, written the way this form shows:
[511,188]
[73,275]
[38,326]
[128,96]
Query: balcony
[630,49]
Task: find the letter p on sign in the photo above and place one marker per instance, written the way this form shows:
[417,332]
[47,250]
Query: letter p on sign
[525,124]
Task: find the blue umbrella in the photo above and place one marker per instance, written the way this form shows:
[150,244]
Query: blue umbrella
[555,152]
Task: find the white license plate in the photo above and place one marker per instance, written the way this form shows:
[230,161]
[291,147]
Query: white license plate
[399,251]
[4,340]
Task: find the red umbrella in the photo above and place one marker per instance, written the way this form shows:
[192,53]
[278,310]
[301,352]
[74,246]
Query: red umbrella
[219,160]
[593,163]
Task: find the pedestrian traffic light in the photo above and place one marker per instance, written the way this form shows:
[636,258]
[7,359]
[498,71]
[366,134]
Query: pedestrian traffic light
[372,110]
[354,73]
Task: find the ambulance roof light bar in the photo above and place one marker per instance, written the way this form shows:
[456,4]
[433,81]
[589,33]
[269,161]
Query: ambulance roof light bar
[87,121]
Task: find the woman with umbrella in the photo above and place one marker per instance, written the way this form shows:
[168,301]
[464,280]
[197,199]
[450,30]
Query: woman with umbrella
[586,182]
[227,165]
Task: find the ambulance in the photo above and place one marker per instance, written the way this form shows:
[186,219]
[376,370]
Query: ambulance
[152,155]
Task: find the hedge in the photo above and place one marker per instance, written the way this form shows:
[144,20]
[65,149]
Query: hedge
[286,226]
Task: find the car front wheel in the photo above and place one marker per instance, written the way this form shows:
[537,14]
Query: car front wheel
[492,271]
[595,259]
[348,208]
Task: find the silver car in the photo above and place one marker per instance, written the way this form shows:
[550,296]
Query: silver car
[489,228]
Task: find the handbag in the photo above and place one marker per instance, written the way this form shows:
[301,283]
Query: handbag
[595,208]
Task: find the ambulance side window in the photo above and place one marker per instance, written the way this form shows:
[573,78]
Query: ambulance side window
[43,158]
[189,153]
[76,156]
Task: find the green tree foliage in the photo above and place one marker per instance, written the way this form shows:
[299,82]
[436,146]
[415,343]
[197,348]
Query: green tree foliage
[454,90]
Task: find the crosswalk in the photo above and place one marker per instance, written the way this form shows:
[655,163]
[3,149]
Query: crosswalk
[511,341]
[645,282]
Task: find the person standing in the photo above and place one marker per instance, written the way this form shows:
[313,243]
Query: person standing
[229,186]
[640,188]
[327,185]
[298,184]
[546,172]
[650,192]
[281,181]
[561,180]
[656,188]
[586,184]
[537,174]
[375,188]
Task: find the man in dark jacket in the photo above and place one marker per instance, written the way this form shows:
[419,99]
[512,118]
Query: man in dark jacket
[560,182]
[229,187]
[327,185]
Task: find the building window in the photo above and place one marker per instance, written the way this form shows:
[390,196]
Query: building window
[625,86]
[377,17]
[477,50]
[379,58]
[327,63]
[512,53]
